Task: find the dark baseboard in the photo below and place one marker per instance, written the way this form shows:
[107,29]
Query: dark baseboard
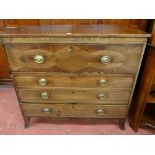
[6,82]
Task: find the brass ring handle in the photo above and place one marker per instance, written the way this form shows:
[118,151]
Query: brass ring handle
[105,59]
[44,95]
[103,82]
[39,59]
[70,49]
[46,110]
[101,96]
[100,112]
[42,81]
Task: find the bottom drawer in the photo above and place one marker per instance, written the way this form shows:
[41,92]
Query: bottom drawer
[75,110]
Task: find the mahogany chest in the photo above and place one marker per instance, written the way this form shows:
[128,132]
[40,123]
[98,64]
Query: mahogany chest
[74,70]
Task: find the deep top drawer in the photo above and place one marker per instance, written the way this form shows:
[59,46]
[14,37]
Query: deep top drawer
[112,59]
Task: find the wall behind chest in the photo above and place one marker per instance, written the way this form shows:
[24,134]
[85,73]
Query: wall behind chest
[141,23]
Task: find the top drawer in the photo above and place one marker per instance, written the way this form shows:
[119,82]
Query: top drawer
[108,58]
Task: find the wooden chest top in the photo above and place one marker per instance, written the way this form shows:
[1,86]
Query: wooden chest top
[73,30]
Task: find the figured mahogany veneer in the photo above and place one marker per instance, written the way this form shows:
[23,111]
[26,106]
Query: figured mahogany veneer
[74,70]
[81,58]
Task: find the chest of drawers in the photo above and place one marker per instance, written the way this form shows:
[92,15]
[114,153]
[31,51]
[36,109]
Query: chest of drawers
[74,71]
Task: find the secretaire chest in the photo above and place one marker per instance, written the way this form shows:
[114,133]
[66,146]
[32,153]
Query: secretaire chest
[74,71]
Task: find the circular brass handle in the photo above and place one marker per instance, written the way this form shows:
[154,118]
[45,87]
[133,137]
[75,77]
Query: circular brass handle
[46,110]
[100,112]
[105,59]
[42,81]
[39,59]
[101,96]
[103,82]
[44,95]
[70,49]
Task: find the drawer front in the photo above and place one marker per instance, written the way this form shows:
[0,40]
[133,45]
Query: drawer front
[75,110]
[112,59]
[43,81]
[73,96]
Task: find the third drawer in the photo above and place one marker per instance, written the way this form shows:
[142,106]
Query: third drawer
[74,95]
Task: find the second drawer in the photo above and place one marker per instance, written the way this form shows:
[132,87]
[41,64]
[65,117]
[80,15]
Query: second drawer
[73,96]
[67,80]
